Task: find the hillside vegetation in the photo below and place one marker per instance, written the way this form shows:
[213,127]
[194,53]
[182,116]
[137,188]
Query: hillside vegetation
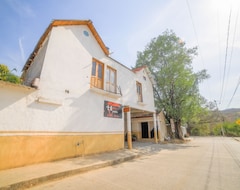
[216,123]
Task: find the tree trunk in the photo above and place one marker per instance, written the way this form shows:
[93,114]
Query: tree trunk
[179,133]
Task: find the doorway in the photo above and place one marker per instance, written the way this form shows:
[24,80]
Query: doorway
[144,129]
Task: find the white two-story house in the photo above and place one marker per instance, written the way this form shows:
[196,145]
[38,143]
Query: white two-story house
[76,100]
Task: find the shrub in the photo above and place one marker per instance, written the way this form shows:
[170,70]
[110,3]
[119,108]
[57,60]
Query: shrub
[203,130]
[231,129]
[217,130]
[6,75]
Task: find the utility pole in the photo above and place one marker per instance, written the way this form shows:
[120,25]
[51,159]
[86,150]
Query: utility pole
[222,119]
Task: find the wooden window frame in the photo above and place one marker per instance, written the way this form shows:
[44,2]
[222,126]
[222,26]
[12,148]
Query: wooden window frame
[97,75]
[111,86]
[139,91]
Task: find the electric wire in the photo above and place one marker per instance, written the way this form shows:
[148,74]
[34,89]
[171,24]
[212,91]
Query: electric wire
[231,53]
[234,93]
[226,53]
[195,32]
[234,35]
[219,48]
[196,36]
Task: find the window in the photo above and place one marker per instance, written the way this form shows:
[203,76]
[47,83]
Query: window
[111,80]
[139,91]
[97,74]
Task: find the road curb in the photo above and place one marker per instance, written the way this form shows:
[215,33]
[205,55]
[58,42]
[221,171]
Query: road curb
[237,139]
[36,181]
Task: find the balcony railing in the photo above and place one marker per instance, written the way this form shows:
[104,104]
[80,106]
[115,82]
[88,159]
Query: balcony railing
[114,92]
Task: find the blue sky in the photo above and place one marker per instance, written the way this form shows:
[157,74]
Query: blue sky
[127,26]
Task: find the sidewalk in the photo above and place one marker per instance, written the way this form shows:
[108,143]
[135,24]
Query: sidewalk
[24,177]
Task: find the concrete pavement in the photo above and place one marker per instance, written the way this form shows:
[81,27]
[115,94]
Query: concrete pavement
[28,176]
[204,163]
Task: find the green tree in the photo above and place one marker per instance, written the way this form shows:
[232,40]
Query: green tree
[176,89]
[203,130]
[6,75]
[210,116]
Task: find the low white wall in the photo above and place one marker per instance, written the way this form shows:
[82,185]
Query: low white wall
[20,111]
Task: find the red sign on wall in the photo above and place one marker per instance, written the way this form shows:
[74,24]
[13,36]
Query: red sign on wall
[112,109]
[126,109]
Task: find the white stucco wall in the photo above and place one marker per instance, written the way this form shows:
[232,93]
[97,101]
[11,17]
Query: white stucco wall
[19,111]
[127,79]
[36,67]
[13,107]
[147,91]
[64,100]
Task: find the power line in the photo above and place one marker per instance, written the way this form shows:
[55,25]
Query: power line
[225,62]
[234,35]
[195,32]
[196,36]
[219,48]
[234,92]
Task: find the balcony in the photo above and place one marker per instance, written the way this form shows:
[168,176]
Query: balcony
[108,92]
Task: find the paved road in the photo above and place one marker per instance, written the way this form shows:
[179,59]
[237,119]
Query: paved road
[204,164]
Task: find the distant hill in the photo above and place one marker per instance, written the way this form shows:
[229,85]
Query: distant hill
[231,110]
[231,115]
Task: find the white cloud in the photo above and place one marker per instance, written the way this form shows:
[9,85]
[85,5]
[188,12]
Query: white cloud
[21,48]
